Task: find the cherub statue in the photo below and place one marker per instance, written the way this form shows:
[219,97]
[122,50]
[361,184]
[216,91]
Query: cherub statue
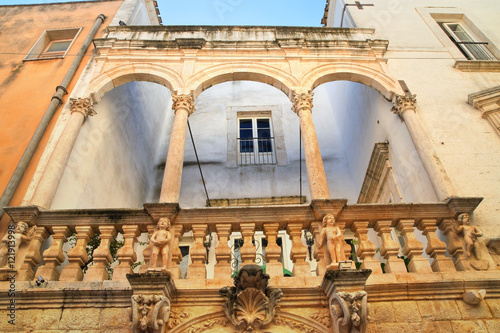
[470,233]
[161,242]
[334,239]
[13,240]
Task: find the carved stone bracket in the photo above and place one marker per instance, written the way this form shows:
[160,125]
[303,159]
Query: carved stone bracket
[347,299]
[150,301]
[403,103]
[302,101]
[183,102]
[250,304]
[83,106]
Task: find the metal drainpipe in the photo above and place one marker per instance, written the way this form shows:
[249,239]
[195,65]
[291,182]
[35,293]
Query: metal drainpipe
[61,90]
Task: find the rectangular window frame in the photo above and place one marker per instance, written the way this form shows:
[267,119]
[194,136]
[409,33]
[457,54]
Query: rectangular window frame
[257,149]
[470,46]
[40,50]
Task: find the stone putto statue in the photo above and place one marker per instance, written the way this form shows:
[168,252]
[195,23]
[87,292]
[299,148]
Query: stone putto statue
[12,240]
[161,243]
[469,233]
[334,240]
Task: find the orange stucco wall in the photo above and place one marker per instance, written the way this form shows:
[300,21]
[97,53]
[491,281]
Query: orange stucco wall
[26,88]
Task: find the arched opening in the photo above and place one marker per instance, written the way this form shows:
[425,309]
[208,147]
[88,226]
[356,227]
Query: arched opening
[116,159]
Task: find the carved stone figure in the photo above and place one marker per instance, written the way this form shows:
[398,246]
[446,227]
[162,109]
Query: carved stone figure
[334,240]
[470,233]
[250,304]
[10,243]
[161,243]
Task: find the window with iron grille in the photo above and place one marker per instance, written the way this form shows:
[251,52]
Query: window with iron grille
[467,43]
[255,141]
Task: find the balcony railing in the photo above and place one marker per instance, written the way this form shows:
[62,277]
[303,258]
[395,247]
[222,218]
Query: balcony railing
[405,220]
[256,151]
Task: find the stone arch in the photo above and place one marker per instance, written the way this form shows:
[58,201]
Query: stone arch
[119,75]
[213,75]
[368,76]
[283,322]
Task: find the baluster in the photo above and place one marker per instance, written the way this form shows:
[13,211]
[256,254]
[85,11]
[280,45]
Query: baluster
[222,269]
[390,248]
[126,255]
[299,252]
[247,251]
[175,269]
[273,252]
[197,269]
[366,249]
[54,255]
[33,257]
[435,247]
[320,254]
[146,253]
[77,256]
[102,255]
[454,244]
[413,249]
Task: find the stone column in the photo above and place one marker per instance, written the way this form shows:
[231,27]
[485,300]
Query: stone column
[318,186]
[198,269]
[77,256]
[102,255]
[366,249]
[413,248]
[32,257]
[126,255]
[54,255]
[247,251]
[390,248]
[81,108]
[273,252]
[298,253]
[183,106]
[222,269]
[435,247]
[404,106]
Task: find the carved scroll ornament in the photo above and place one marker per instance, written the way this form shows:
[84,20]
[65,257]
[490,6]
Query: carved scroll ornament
[250,304]
[149,312]
[183,102]
[83,106]
[349,311]
[302,101]
[403,103]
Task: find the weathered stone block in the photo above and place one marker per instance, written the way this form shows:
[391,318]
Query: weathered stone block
[493,325]
[76,318]
[406,311]
[443,327]
[115,317]
[438,310]
[494,306]
[424,327]
[469,326]
[392,327]
[382,313]
[480,310]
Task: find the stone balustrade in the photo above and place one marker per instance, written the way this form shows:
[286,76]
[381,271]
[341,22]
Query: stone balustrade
[402,238]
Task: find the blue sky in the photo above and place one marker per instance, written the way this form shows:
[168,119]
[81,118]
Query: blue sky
[231,12]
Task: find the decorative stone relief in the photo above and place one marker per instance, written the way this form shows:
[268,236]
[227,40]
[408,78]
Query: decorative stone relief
[161,244]
[10,243]
[403,103]
[302,101]
[208,325]
[149,312]
[82,105]
[294,324]
[323,318]
[349,311]
[474,297]
[494,250]
[334,241]
[475,251]
[176,318]
[183,102]
[250,304]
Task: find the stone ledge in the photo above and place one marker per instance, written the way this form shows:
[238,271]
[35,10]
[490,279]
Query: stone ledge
[478,65]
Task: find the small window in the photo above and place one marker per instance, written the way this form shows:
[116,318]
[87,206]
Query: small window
[53,44]
[471,47]
[255,141]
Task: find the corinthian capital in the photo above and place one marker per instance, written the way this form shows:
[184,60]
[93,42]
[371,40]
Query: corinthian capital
[403,103]
[302,101]
[183,102]
[82,105]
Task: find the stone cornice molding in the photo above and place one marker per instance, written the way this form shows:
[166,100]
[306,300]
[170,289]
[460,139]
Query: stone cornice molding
[301,101]
[83,106]
[183,102]
[402,103]
[488,102]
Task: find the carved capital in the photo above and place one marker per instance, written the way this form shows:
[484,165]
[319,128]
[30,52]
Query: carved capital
[349,311]
[302,101]
[183,102]
[82,105]
[403,103]
[149,312]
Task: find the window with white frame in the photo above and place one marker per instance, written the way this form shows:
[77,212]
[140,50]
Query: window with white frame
[255,140]
[471,47]
[53,44]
